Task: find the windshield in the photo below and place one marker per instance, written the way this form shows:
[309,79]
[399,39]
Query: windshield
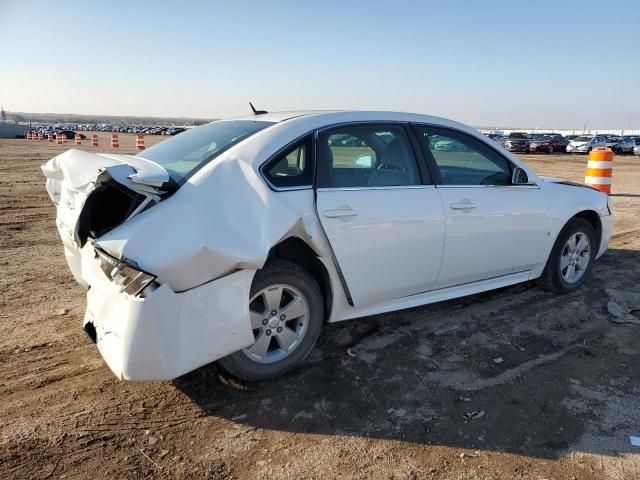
[188,152]
[583,139]
[518,135]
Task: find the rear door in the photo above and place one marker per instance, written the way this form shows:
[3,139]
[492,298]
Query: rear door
[379,210]
[493,228]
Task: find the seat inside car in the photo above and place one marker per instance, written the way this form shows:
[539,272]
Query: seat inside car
[395,167]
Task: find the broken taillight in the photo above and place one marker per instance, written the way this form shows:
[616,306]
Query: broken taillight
[129,278]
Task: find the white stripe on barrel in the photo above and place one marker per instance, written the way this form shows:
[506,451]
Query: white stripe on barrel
[599,164]
[597,180]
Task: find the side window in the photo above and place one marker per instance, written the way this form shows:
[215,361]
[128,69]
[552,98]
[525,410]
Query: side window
[462,159]
[367,156]
[293,167]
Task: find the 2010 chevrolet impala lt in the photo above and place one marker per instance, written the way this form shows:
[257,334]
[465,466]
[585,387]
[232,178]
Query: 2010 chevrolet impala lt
[237,240]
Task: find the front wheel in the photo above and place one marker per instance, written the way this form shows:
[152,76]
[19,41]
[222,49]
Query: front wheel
[571,258]
[286,311]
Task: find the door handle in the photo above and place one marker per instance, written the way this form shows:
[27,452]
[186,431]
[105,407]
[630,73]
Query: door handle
[464,205]
[340,213]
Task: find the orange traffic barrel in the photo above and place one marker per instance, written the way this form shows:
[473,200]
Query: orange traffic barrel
[140,142]
[61,137]
[600,169]
[40,136]
[94,140]
[29,135]
[78,139]
[50,137]
[114,140]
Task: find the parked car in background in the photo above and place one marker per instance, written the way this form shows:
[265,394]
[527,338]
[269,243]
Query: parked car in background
[585,143]
[517,142]
[612,141]
[277,230]
[498,138]
[548,143]
[636,147]
[625,145]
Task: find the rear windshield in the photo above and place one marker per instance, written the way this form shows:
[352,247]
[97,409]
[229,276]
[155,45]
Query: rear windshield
[518,135]
[583,139]
[189,151]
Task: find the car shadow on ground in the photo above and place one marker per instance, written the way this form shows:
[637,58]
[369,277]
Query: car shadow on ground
[515,370]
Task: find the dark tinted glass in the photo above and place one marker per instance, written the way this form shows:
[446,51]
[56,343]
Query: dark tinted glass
[293,167]
[189,151]
[367,156]
[462,159]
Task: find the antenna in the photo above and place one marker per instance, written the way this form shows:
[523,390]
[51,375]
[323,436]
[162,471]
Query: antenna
[257,112]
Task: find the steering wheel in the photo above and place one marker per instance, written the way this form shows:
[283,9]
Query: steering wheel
[497,178]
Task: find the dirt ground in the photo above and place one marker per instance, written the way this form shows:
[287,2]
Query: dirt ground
[382,397]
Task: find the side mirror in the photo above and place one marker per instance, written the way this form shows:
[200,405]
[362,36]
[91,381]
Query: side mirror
[519,177]
[364,161]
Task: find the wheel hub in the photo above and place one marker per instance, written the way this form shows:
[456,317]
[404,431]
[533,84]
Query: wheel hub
[273,322]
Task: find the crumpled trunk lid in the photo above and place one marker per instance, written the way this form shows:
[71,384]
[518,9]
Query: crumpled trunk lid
[94,193]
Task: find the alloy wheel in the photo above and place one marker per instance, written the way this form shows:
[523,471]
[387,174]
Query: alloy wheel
[279,319]
[575,257]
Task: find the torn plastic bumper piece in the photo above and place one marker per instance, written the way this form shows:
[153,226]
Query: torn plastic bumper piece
[166,334]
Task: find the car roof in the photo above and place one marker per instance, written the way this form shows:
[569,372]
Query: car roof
[289,126]
[280,116]
[337,116]
[307,120]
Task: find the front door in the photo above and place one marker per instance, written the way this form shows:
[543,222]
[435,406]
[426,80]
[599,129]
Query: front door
[493,228]
[383,220]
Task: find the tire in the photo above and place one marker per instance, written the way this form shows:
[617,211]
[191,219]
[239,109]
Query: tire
[294,283]
[554,277]
[589,150]
[550,149]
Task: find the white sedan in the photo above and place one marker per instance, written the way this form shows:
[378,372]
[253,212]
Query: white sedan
[239,239]
[586,143]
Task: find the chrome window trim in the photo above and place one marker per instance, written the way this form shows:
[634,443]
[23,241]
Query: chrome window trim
[388,187]
[535,186]
[285,189]
[362,122]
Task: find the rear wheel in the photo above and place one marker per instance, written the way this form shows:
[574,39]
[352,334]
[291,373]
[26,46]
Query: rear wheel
[287,312]
[571,258]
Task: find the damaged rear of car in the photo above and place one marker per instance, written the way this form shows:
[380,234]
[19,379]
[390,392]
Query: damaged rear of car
[164,285]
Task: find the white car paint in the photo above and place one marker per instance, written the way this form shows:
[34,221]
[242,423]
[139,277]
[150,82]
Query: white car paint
[406,246]
[503,230]
[582,146]
[398,231]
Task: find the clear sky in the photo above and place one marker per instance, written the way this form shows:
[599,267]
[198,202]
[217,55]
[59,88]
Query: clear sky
[508,63]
